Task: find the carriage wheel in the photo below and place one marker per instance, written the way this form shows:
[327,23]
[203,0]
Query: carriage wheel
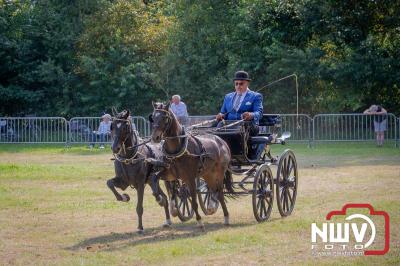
[286,183]
[183,201]
[263,193]
[206,198]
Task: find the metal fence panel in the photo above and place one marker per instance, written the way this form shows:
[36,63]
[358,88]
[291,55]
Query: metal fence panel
[351,127]
[142,125]
[321,128]
[84,129]
[300,126]
[33,130]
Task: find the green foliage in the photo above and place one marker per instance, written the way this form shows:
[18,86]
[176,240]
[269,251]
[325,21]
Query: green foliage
[37,55]
[80,58]
[118,54]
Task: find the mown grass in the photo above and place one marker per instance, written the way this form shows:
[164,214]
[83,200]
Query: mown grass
[56,209]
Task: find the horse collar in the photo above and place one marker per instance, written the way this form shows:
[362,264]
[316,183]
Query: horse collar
[182,149]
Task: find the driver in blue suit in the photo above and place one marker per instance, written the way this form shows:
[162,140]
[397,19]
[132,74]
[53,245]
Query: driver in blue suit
[243,103]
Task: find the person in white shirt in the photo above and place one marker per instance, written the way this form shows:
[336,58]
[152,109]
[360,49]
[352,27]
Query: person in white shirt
[102,132]
[179,109]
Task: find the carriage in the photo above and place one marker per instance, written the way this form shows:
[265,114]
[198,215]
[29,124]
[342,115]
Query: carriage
[253,166]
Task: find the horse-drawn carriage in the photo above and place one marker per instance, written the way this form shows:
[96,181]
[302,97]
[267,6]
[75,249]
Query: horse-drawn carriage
[203,164]
[252,167]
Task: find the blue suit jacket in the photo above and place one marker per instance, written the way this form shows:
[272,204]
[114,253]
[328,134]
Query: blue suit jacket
[252,102]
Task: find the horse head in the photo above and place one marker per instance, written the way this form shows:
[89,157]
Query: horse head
[161,120]
[122,132]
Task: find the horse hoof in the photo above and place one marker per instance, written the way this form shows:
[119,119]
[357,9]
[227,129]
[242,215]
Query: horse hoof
[125,197]
[140,231]
[172,209]
[226,221]
[200,225]
[167,224]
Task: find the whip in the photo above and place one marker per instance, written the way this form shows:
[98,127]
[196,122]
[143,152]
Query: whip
[297,93]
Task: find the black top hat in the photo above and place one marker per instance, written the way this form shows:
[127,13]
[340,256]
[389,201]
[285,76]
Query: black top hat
[242,75]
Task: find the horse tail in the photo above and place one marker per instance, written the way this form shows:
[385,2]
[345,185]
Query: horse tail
[229,189]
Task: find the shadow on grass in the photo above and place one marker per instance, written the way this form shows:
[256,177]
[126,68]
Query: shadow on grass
[118,241]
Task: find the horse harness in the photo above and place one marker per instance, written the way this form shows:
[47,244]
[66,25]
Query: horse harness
[169,158]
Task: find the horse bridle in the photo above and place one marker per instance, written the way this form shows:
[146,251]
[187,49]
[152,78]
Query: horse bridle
[130,133]
[168,122]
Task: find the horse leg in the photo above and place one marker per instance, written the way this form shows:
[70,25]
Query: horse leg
[168,222]
[116,182]
[171,192]
[223,205]
[195,206]
[139,207]
[155,187]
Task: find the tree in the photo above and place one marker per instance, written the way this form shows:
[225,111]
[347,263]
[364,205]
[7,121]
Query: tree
[118,54]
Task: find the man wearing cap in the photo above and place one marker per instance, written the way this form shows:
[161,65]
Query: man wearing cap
[243,103]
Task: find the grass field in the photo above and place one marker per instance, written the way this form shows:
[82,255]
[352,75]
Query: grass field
[55,208]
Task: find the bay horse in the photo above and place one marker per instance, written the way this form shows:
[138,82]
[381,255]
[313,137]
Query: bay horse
[190,157]
[131,166]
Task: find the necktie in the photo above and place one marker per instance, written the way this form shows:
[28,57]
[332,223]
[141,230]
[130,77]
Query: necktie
[236,105]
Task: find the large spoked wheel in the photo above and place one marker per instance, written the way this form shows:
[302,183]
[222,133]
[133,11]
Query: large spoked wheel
[183,201]
[286,183]
[263,193]
[208,200]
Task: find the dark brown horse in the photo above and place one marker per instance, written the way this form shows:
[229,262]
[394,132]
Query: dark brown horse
[131,167]
[191,156]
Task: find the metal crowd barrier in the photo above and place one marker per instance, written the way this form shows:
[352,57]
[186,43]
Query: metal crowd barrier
[84,129]
[33,130]
[300,127]
[321,128]
[352,127]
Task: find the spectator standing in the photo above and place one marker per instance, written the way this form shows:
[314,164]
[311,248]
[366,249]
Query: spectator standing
[380,122]
[179,109]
